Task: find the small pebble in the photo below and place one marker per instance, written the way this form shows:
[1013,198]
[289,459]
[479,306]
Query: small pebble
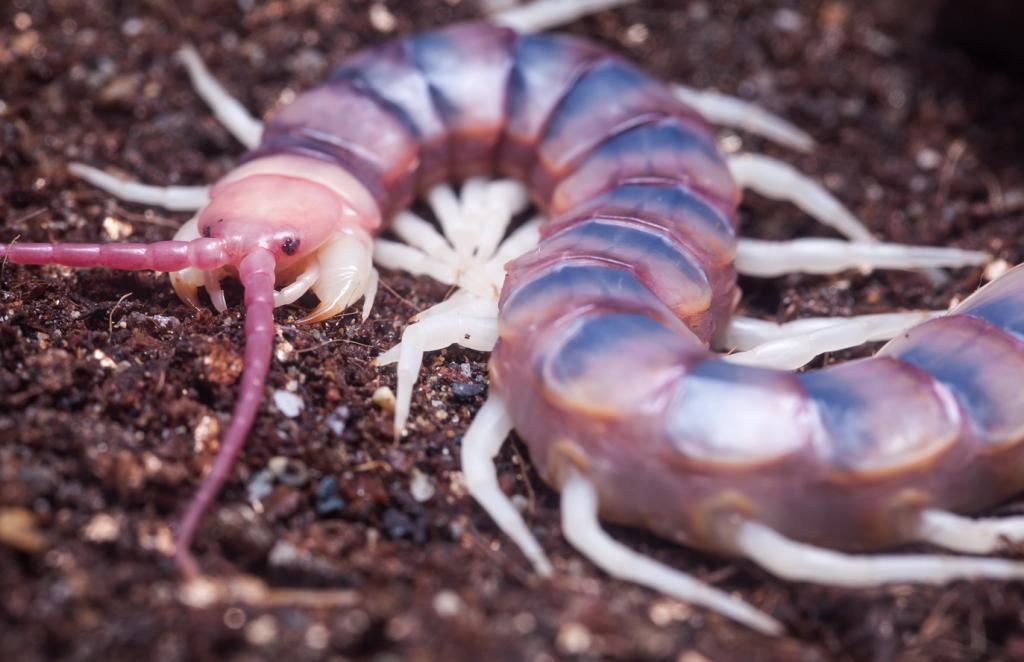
[288,471]
[384,398]
[573,639]
[261,485]
[317,637]
[467,390]
[261,631]
[283,555]
[18,530]
[928,159]
[397,524]
[421,487]
[206,432]
[288,404]
[115,229]
[102,528]
[337,420]
[381,18]
[327,500]
[447,603]
[996,268]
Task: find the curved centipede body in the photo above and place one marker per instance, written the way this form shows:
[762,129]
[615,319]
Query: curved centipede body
[601,356]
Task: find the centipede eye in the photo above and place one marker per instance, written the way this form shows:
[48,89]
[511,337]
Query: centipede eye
[290,246]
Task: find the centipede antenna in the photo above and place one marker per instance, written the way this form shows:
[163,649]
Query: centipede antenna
[768,259]
[481,443]
[798,561]
[583,530]
[545,14]
[174,198]
[779,181]
[202,253]
[972,536]
[229,111]
[733,112]
[256,271]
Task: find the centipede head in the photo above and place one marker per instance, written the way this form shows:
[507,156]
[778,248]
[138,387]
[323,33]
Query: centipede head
[290,217]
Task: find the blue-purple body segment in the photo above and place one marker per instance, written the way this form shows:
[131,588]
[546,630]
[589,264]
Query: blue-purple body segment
[602,357]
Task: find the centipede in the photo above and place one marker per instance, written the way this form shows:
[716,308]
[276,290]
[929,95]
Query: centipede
[616,352]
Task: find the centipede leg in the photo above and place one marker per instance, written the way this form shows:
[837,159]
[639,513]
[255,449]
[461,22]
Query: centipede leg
[972,536]
[216,292]
[766,259]
[545,14]
[480,445]
[294,290]
[432,333]
[583,530]
[228,110]
[794,350]
[419,234]
[798,561]
[174,198]
[733,112]
[779,181]
[744,333]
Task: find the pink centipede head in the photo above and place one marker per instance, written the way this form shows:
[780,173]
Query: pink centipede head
[287,216]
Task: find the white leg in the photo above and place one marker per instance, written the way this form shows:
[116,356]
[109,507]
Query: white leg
[431,334]
[370,295]
[797,561]
[746,333]
[420,234]
[777,180]
[545,14]
[755,257]
[524,239]
[346,271]
[726,110]
[973,536]
[393,255]
[228,111]
[480,445]
[583,530]
[212,283]
[503,200]
[475,214]
[186,283]
[293,291]
[446,206]
[790,353]
[463,302]
[174,198]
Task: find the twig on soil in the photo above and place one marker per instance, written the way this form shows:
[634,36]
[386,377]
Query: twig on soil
[110,316]
[3,265]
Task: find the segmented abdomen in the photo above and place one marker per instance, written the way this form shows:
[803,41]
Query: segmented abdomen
[602,354]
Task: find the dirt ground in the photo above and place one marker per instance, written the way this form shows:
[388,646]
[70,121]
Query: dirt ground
[112,391]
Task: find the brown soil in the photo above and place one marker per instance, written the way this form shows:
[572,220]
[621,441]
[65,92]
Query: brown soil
[112,391]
